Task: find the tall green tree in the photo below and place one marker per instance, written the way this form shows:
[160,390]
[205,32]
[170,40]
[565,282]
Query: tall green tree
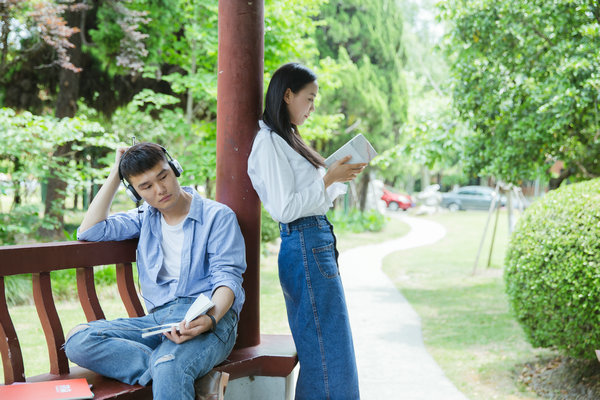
[138,67]
[365,39]
[28,153]
[526,80]
[45,67]
[431,140]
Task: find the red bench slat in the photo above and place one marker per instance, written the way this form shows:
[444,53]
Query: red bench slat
[44,303]
[127,290]
[12,359]
[86,289]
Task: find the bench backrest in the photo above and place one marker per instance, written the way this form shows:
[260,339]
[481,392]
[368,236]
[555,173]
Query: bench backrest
[40,260]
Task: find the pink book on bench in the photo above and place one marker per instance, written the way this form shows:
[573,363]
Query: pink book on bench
[49,390]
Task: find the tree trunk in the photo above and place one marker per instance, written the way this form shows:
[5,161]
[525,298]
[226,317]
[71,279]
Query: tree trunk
[509,206]
[363,189]
[66,106]
[208,189]
[189,109]
[16,184]
[554,183]
[425,177]
[6,17]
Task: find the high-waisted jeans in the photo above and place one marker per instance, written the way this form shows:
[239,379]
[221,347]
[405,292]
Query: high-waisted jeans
[116,349]
[317,312]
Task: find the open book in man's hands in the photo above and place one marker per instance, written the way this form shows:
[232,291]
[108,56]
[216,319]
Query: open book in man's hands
[200,306]
[358,147]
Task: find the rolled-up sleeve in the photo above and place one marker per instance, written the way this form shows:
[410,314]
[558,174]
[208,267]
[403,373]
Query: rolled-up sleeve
[119,226]
[227,256]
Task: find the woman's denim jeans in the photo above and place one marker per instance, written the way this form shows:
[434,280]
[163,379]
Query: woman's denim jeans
[116,349]
[317,312]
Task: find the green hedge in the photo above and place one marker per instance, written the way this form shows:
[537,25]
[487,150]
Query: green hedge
[356,221]
[553,270]
[269,229]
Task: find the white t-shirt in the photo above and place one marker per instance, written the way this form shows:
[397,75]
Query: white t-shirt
[289,186]
[172,243]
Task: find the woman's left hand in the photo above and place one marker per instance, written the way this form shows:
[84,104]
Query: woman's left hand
[340,171]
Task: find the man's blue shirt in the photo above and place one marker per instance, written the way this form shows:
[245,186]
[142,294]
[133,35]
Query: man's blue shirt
[213,252]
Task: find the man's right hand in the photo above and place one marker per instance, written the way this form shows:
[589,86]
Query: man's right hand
[119,154]
[100,206]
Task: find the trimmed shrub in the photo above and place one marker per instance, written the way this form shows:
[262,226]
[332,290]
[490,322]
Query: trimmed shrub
[553,270]
[356,221]
[269,229]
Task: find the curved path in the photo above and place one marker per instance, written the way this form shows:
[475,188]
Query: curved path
[392,360]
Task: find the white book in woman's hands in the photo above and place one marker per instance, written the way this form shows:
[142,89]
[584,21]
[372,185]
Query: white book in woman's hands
[200,306]
[358,147]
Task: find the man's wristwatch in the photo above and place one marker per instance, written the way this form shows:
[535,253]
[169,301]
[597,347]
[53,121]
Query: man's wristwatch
[214,323]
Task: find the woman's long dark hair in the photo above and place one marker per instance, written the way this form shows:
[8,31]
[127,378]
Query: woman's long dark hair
[293,76]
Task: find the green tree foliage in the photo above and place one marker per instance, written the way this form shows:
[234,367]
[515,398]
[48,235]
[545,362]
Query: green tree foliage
[526,79]
[149,69]
[289,32]
[28,143]
[553,270]
[365,40]
[431,140]
[146,69]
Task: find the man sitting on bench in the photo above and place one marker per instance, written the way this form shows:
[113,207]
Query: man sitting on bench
[187,246]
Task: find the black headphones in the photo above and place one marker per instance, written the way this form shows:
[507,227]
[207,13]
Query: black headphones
[133,195]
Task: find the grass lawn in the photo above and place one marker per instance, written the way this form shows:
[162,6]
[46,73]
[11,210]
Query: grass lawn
[31,336]
[273,319]
[467,325]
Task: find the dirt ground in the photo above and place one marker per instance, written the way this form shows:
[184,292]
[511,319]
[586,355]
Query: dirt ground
[563,378]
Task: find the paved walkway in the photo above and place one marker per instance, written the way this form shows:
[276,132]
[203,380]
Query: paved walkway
[392,360]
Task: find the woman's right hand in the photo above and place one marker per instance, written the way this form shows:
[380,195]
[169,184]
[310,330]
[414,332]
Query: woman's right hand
[342,172]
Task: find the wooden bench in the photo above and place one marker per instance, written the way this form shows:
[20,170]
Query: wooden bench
[274,356]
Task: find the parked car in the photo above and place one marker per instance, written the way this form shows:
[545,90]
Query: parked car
[395,201]
[471,198]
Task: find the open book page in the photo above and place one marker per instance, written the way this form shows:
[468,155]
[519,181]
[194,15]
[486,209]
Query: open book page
[358,147]
[158,329]
[200,306]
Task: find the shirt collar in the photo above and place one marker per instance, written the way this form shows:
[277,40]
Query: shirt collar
[262,125]
[196,208]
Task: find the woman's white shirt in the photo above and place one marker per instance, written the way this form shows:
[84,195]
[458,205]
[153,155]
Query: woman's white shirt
[289,186]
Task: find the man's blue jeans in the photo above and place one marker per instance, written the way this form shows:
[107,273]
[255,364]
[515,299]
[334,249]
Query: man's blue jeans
[116,349]
[317,312]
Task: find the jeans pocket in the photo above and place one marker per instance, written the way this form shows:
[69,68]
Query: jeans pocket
[325,259]
[226,326]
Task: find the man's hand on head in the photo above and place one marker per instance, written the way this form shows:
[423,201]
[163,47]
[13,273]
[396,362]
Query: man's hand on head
[119,154]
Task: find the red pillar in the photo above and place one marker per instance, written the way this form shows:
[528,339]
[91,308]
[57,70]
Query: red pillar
[239,105]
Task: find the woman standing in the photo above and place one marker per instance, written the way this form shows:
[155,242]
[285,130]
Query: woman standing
[291,181]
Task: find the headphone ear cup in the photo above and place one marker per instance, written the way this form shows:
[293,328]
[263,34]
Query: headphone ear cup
[176,167]
[133,195]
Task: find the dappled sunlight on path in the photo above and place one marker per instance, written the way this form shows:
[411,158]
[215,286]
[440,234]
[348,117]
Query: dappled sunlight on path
[392,360]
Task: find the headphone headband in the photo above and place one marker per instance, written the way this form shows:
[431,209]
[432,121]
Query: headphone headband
[129,189]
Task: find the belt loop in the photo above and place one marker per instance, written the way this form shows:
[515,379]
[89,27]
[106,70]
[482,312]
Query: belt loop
[284,228]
